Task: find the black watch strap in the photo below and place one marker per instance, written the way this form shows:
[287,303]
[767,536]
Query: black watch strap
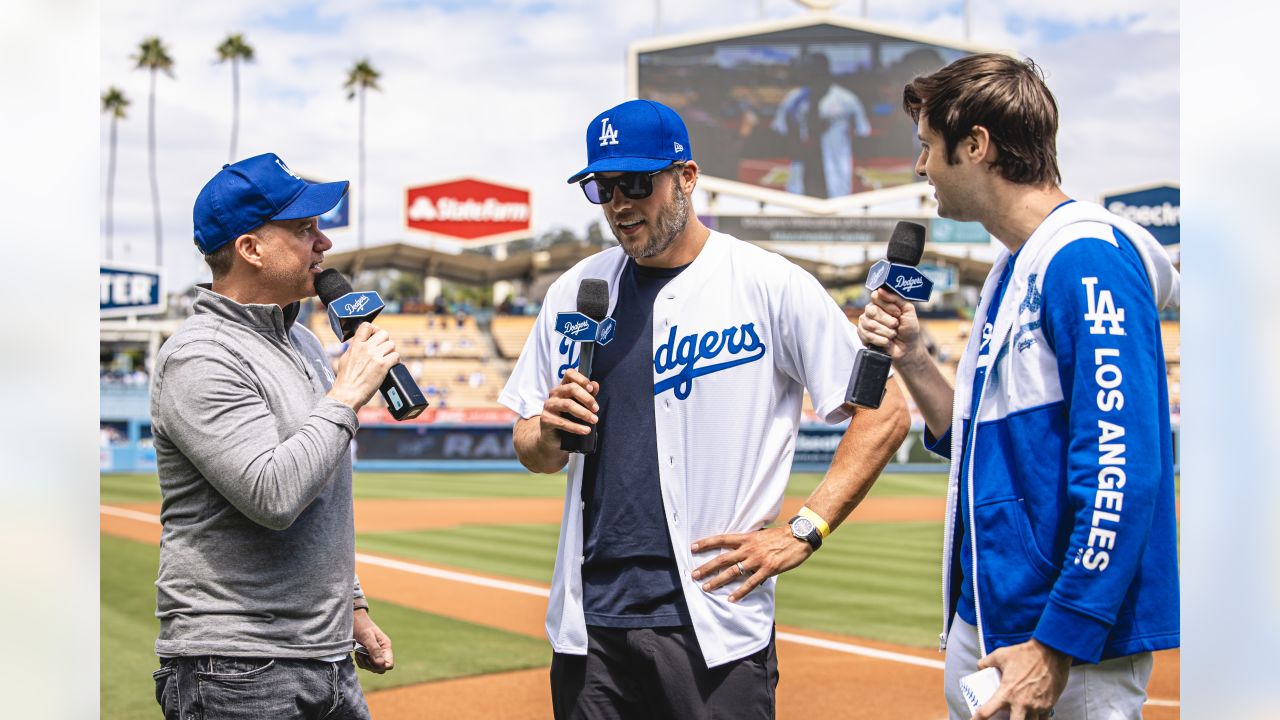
[802,528]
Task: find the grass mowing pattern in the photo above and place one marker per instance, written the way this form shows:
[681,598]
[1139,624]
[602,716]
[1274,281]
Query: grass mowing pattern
[888,485]
[128,488]
[526,552]
[427,647]
[137,488]
[373,486]
[874,580]
[880,581]
[133,488]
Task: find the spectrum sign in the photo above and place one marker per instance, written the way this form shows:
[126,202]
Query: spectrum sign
[1158,208]
[469,209]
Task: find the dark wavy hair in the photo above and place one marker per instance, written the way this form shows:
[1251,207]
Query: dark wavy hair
[1006,96]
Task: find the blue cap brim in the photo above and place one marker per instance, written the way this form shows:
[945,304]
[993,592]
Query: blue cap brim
[317,199]
[622,164]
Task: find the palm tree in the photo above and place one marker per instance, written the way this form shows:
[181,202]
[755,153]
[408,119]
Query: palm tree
[235,49]
[361,77]
[113,103]
[153,56]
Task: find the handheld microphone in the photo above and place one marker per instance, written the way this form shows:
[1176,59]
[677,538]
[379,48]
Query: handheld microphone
[593,302]
[897,272]
[347,309]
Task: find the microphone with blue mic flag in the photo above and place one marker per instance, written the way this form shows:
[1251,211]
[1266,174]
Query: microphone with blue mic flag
[347,309]
[896,272]
[587,327]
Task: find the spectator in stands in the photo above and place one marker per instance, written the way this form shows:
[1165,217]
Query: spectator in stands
[1061,558]
[662,600]
[257,596]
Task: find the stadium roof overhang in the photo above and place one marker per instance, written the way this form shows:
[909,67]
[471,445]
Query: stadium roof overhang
[970,271]
[476,269]
[462,267]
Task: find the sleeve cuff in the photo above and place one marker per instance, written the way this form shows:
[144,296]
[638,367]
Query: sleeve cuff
[338,414]
[938,446]
[1076,634]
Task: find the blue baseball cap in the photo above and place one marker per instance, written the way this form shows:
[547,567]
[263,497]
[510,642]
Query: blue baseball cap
[636,136]
[246,194]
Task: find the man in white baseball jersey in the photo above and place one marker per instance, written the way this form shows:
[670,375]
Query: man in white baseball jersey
[662,599]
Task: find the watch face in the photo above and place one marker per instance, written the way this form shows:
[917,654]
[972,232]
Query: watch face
[801,527]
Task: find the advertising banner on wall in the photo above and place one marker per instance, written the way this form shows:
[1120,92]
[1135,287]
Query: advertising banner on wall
[339,216]
[129,290]
[469,210]
[1158,208]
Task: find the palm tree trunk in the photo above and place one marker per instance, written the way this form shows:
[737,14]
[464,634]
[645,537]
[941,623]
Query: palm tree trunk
[235,105]
[155,187]
[111,182]
[360,233]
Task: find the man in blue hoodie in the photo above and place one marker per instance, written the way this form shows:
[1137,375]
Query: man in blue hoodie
[1061,542]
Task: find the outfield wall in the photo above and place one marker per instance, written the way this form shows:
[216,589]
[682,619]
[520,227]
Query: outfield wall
[387,447]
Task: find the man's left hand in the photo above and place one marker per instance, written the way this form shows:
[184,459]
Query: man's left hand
[760,555]
[1032,678]
[367,633]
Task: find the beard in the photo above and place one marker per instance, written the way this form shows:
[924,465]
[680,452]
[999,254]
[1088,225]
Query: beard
[670,222]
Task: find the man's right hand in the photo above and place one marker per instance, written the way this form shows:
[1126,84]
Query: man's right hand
[536,441]
[574,395]
[889,324]
[370,355]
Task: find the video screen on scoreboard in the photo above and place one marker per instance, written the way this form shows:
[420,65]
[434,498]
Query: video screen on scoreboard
[748,104]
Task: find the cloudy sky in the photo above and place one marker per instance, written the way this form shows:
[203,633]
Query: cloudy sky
[502,89]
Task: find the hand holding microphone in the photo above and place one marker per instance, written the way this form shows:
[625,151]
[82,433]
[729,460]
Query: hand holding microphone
[568,420]
[350,313]
[369,357]
[888,326]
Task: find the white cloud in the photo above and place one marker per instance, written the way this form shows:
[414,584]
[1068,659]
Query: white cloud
[503,90]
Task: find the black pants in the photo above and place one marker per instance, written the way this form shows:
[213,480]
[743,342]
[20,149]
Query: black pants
[653,673]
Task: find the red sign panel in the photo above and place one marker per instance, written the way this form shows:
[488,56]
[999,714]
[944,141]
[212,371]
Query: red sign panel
[467,209]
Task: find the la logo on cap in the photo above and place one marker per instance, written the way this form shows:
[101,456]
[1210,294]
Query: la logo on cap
[286,169]
[608,133]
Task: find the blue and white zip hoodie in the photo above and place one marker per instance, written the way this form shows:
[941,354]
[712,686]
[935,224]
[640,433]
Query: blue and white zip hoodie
[1069,490]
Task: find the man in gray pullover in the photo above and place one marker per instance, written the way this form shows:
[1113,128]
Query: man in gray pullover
[257,595]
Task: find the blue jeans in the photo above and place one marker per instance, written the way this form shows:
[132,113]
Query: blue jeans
[230,688]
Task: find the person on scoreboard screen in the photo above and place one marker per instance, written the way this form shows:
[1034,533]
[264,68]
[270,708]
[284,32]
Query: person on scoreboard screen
[662,600]
[1061,554]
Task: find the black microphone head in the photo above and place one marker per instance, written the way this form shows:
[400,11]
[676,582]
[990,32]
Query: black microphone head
[331,285]
[593,298]
[906,244]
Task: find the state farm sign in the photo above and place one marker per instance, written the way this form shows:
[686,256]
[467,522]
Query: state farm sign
[468,209]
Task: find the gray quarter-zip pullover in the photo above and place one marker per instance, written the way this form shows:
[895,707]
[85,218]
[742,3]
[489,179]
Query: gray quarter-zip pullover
[257,555]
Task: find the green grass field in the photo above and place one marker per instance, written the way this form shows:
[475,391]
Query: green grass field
[427,647]
[872,580]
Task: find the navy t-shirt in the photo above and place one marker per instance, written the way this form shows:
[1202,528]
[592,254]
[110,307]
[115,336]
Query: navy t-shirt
[629,576]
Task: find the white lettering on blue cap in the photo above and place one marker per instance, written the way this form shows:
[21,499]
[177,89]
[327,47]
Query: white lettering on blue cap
[285,168]
[608,133]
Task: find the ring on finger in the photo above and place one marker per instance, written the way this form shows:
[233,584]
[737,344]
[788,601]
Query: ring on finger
[741,570]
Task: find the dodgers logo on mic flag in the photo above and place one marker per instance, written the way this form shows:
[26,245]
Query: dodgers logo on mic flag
[904,280]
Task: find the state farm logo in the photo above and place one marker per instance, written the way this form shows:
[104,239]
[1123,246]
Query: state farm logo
[448,208]
[468,209]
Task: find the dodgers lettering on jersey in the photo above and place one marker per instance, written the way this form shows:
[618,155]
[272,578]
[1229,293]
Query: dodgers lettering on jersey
[741,345]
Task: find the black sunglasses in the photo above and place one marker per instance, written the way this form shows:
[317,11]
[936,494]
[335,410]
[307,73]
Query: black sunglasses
[634,185]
